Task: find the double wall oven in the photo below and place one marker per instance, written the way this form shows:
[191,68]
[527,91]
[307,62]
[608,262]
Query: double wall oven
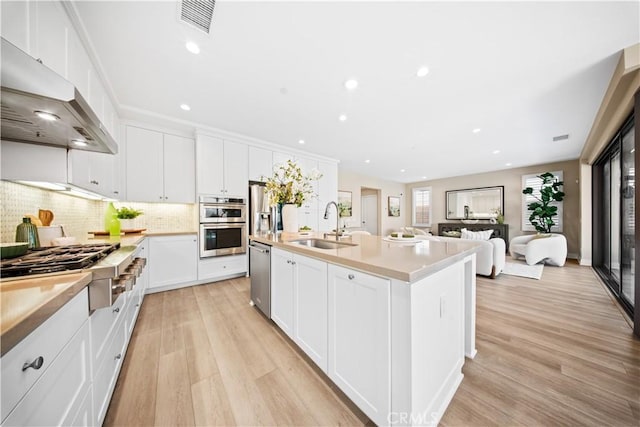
[223,226]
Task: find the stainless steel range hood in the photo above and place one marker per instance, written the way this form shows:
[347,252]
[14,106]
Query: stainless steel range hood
[29,88]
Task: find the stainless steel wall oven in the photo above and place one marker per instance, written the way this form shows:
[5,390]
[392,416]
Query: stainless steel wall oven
[223,227]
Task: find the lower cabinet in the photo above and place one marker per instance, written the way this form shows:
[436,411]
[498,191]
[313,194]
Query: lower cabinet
[215,268]
[360,339]
[299,302]
[173,260]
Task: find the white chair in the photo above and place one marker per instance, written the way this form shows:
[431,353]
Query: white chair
[551,248]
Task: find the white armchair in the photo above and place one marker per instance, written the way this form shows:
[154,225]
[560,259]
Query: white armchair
[552,249]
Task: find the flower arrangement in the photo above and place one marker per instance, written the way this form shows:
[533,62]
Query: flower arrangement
[289,185]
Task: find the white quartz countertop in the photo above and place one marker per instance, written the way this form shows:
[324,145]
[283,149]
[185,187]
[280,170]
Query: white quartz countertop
[407,262]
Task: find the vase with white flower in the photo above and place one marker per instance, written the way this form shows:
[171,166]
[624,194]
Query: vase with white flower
[289,188]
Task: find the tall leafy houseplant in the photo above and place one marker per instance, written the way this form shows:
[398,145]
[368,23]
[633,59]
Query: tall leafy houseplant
[542,210]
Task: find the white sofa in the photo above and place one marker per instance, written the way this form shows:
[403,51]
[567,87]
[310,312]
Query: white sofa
[491,257]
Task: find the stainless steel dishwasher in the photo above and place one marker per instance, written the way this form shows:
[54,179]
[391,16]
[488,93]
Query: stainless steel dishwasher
[260,274]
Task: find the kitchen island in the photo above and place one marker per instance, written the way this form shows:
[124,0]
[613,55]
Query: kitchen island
[389,322]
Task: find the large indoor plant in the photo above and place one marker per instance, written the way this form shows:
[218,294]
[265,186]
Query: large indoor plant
[542,209]
[289,188]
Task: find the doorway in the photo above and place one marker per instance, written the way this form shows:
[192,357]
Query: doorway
[370,209]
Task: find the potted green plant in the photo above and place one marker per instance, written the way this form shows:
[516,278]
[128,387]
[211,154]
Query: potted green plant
[542,210]
[126,216]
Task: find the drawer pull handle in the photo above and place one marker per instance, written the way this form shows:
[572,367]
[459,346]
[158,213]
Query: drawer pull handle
[116,310]
[288,261]
[351,276]
[36,364]
[119,356]
[293,263]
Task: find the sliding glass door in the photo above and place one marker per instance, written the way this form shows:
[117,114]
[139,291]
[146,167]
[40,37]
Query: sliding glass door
[614,216]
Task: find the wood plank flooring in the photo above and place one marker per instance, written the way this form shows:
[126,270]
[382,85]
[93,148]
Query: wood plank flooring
[554,351]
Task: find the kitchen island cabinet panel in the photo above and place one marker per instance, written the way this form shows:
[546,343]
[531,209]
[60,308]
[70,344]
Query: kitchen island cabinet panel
[282,290]
[360,340]
[58,395]
[310,308]
[173,260]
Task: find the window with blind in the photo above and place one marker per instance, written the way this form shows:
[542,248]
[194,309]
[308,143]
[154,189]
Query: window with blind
[534,182]
[421,212]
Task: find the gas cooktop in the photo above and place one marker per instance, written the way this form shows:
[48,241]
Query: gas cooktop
[54,259]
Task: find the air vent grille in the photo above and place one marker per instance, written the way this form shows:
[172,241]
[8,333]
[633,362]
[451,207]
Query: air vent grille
[198,13]
[560,137]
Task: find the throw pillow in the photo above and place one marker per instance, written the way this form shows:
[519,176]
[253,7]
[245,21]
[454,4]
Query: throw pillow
[475,235]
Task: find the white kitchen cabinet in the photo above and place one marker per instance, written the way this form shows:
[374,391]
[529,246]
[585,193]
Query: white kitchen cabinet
[15,23]
[106,374]
[310,308]
[359,312]
[221,167]
[52,26]
[92,171]
[179,173]
[159,167]
[282,290]
[280,158]
[260,164]
[79,65]
[299,301]
[222,267]
[30,162]
[173,260]
[59,394]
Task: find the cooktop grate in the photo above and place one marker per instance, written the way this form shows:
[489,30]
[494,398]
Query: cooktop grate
[59,258]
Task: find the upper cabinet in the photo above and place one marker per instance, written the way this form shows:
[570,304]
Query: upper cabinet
[43,30]
[222,167]
[30,162]
[260,164]
[93,172]
[159,167]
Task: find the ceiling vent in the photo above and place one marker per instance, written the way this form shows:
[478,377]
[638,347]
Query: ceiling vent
[560,137]
[197,13]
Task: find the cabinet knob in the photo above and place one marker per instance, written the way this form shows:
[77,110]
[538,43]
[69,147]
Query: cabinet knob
[36,364]
[115,192]
[138,305]
[118,356]
[351,276]
[160,197]
[293,263]
[116,310]
[166,198]
[288,261]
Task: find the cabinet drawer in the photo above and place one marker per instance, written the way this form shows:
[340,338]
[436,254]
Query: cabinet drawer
[57,397]
[107,373]
[211,268]
[46,341]
[103,322]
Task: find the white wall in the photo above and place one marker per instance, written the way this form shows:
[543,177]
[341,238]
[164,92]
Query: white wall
[350,181]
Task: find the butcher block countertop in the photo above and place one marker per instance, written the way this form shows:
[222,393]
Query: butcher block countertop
[404,261]
[26,303]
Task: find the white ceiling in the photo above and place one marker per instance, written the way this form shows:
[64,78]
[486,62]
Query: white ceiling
[521,72]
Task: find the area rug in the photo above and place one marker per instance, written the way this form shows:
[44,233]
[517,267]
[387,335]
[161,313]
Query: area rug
[521,269]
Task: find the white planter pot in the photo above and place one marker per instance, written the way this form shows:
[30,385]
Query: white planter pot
[127,224]
[289,218]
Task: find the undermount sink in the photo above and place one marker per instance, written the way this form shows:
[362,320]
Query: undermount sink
[323,244]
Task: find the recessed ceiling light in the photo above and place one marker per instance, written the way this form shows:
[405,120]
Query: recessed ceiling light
[301,141]
[79,143]
[351,84]
[422,71]
[193,48]
[476,130]
[402,170]
[496,151]
[185,107]
[46,116]
[342,117]
[507,164]
[367,161]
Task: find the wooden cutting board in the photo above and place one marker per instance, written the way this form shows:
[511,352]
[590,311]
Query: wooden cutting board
[129,231]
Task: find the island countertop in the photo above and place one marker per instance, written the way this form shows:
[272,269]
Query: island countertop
[404,261]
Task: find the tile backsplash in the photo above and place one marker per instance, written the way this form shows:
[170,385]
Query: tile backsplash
[79,216]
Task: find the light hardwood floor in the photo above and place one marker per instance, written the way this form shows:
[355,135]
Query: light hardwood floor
[554,351]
